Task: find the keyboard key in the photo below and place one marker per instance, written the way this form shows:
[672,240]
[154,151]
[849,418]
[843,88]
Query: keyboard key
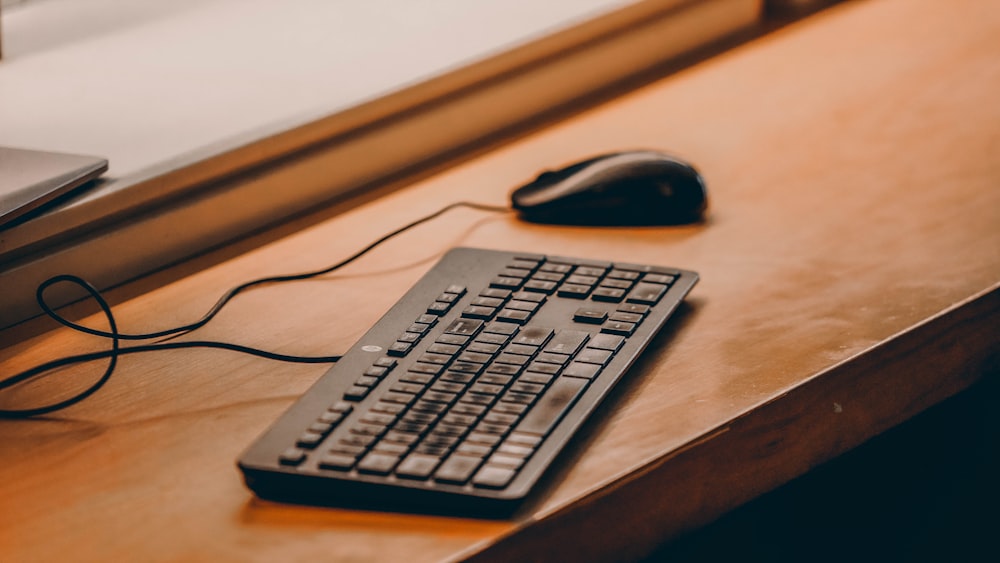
[492,338]
[536,377]
[446,349]
[457,469]
[320,428]
[421,367]
[623,274]
[505,369]
[610,342]
[477,398]
[618,327]
[309,440]
[500,327]
[580,369]
[515,397]
[432,358]
[483,348]
[401,398]
[540,286]
[400,348]
[549,276]
[512,408]
[474,358]
[511,272]
[417,466]
[633,318]
[378,463]
[358,440]
[352,450]
[464,327]
[388,408]
[519,305]
[477,312]
[452,339]
[493,477]
[593,356]
[467,408]
[500,418]
[363,429]
[516,450]
[665,279]
[567,341]
[533,336]
[418,378]
[577,279]
[646,293]
[552,405]
[456,290]
[541,367]
[590,315]
[555,267]
[448,387]
[608,295]
[529,440]
[491,302]
[330,417]
[403,387]
[476,450]
[526,263]
[438,308]
[514,316]
[516,359]
[466,367]
[494,379]
[486,389]
[457,377]
[573,291]
[525,387]
[456,419]
[366,381]
[341,406]
[550,358]
[439,397]
[338,462]
[418,328]
[634,308]
[504,460]
[495,292]
[391,448]
[292,456]
[356,392]
[616,284]
[386,362]
[529,296]
[383,419]
[506,283]
[427,319]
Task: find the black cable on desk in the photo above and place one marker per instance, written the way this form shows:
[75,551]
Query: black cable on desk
[116,336]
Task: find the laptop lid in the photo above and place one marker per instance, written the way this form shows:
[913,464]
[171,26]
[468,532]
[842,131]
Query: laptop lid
[30,179]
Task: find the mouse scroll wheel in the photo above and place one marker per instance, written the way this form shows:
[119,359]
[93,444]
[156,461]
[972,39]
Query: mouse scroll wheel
[665,188]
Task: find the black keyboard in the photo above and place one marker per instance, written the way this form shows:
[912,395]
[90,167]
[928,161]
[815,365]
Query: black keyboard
[462,395]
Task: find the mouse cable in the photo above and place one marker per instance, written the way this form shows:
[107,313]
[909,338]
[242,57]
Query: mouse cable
[115,336]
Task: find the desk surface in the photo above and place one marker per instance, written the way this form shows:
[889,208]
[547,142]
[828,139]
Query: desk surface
[850,275]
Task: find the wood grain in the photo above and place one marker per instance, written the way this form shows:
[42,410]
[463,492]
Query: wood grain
[850,273]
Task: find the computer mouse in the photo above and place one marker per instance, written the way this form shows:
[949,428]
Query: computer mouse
[641,187]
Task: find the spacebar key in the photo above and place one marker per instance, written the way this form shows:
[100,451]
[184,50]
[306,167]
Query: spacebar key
[556,401]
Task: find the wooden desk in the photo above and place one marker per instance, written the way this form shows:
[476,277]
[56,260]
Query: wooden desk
[850,277]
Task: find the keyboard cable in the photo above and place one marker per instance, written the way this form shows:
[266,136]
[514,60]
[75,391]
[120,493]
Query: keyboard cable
[116,337]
